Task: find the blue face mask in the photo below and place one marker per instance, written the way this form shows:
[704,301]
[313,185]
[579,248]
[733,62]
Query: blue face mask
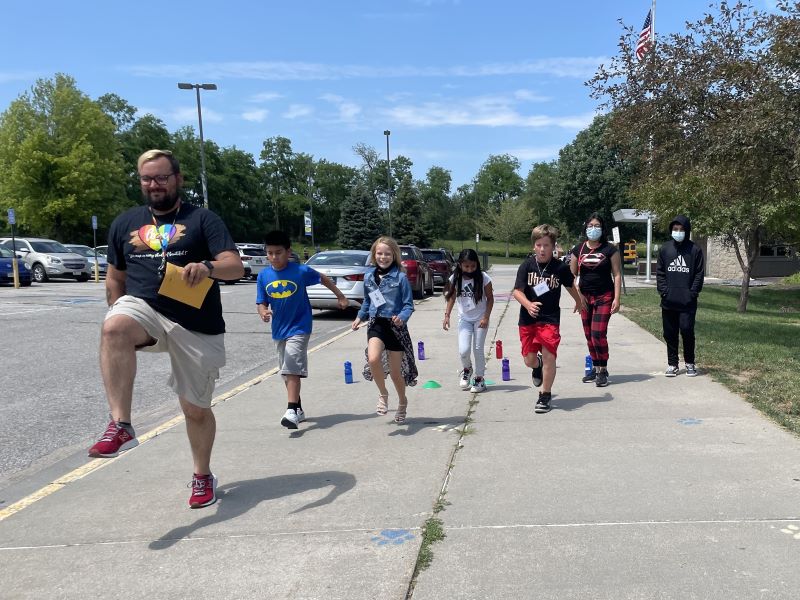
[594,233]
[678,236]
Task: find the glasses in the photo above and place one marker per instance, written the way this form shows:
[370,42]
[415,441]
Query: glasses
[159,179]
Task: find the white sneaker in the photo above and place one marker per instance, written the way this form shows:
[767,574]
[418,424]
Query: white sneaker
[672,371]
[463,380]
[478,386]
[291,419]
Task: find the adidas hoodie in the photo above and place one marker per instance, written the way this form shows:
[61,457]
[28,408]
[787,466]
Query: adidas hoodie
[680,271]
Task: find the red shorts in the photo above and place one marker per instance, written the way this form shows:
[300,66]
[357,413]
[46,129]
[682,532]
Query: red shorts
[533,337]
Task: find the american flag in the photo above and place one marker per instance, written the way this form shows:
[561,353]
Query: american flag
[645,42]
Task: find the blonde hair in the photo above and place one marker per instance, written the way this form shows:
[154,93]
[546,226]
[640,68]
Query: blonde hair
[155,155]
[397,256]
[544,230]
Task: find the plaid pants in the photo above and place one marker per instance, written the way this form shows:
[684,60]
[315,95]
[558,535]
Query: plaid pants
[595,326]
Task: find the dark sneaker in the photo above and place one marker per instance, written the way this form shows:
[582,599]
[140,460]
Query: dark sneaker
[691,370]
[116,439]
[204,490]
[536,372]
[672,371]
[590,377]
[543,404]
[602,379]
[293,417]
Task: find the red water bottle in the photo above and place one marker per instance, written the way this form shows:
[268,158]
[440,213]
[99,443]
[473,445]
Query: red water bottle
[498,346]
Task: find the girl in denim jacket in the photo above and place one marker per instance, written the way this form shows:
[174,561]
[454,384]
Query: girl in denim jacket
[388,304]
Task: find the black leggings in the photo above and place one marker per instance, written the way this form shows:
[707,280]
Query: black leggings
[678,322]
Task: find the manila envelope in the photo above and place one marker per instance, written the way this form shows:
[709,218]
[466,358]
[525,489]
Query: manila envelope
[176,288]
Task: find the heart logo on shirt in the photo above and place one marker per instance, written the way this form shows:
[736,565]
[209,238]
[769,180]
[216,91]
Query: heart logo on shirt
[157,238]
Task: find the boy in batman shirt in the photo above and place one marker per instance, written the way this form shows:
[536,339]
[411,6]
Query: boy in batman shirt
[282,298]
[538,291]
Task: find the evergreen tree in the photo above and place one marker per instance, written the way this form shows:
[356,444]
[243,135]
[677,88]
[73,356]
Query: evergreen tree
[360,222]
[407,223]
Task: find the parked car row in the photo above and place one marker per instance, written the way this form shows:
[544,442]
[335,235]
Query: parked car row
[48,258]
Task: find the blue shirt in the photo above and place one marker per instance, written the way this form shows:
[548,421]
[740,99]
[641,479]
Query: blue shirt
[285,292]
[396,291]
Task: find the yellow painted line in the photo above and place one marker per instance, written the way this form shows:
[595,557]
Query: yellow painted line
[99,463]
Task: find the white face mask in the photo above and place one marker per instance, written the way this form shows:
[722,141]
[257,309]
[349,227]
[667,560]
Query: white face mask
[678,236]
[594,233]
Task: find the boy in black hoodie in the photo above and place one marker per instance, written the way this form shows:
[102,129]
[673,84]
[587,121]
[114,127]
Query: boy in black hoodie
[679,279]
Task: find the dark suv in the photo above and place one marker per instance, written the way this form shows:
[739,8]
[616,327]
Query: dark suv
[417,270]
[441,263]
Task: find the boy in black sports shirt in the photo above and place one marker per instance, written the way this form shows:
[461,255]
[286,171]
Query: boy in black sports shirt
[538,290]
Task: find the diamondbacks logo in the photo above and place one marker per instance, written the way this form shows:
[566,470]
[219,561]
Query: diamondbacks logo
[280,289]
[150,237]
[678,265]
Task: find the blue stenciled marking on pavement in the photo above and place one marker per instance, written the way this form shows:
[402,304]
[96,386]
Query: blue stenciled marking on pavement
[690,421]
[393,536]
[80,300]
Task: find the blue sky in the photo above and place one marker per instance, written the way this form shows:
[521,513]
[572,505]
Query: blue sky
[454,80]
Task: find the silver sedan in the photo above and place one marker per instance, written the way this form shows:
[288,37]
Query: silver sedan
[347,269]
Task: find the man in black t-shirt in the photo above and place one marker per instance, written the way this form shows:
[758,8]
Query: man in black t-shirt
[141,243]
[538,291]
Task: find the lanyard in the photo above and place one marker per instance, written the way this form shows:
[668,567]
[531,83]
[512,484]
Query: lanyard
[164,239]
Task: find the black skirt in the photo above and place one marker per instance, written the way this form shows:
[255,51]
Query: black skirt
[381,328]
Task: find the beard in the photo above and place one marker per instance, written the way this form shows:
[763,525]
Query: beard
[164,204]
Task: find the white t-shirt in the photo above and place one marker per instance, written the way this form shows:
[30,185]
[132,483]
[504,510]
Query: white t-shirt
[465,299]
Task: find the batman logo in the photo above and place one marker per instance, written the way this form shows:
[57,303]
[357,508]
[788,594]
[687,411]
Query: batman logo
[281,289]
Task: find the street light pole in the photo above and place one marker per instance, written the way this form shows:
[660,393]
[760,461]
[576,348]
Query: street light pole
[197,87]
[387,133]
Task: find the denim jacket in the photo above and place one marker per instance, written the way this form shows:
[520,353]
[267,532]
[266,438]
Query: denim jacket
[396,291]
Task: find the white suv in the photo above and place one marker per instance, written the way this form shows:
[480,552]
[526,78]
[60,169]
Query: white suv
[48,258]
[256,256]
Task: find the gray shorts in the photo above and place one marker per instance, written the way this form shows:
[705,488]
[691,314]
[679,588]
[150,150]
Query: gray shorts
[293,355]
[196,358]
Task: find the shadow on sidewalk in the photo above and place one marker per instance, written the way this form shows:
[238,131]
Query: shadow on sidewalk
[416,424]
[326,421]
[570,404]
[238,497]
[504,387]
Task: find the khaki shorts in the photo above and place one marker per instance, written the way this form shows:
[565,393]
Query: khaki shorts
[196,358]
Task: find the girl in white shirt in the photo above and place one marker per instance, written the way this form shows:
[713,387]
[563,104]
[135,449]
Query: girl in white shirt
[471,289]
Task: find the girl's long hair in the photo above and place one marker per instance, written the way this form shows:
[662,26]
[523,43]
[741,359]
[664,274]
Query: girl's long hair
[477,277]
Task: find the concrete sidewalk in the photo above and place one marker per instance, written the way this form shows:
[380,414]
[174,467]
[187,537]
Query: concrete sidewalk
[649,488]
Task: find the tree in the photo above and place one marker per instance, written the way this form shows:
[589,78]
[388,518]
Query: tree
[360,223]
[541,192]
[497,180]
[592,177]
[59,161]
[713,112]
[236,190]
[278,179]
[509,221]
[408,226]
[437,210]
[332,185]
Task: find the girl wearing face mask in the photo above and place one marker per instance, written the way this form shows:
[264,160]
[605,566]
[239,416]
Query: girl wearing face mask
[597,267]
[471,288]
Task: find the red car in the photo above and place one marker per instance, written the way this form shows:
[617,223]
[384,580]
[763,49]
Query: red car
[441,263]
[418,272]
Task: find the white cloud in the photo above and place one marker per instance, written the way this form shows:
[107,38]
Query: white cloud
[485,111]
[256,116]
[533,153]
[348,111]
[188,114]
[531,96]
[574,67]
[297,110]
[264,97]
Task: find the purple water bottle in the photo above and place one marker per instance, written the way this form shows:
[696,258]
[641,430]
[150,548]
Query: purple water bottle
[348,372]
[420,350]
[506,370]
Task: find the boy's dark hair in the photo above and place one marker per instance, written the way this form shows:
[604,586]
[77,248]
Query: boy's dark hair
[455,287]
[277,238]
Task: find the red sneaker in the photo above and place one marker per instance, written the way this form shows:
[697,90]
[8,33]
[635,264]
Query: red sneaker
[204,488]
[116,439]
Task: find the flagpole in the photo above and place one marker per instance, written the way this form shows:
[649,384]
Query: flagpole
[653,22]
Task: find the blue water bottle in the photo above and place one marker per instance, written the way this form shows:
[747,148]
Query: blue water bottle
[421,350]
[506,370]
[587,370]
[348,372]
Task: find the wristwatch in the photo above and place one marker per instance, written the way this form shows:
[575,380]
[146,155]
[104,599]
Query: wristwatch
[209,266]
